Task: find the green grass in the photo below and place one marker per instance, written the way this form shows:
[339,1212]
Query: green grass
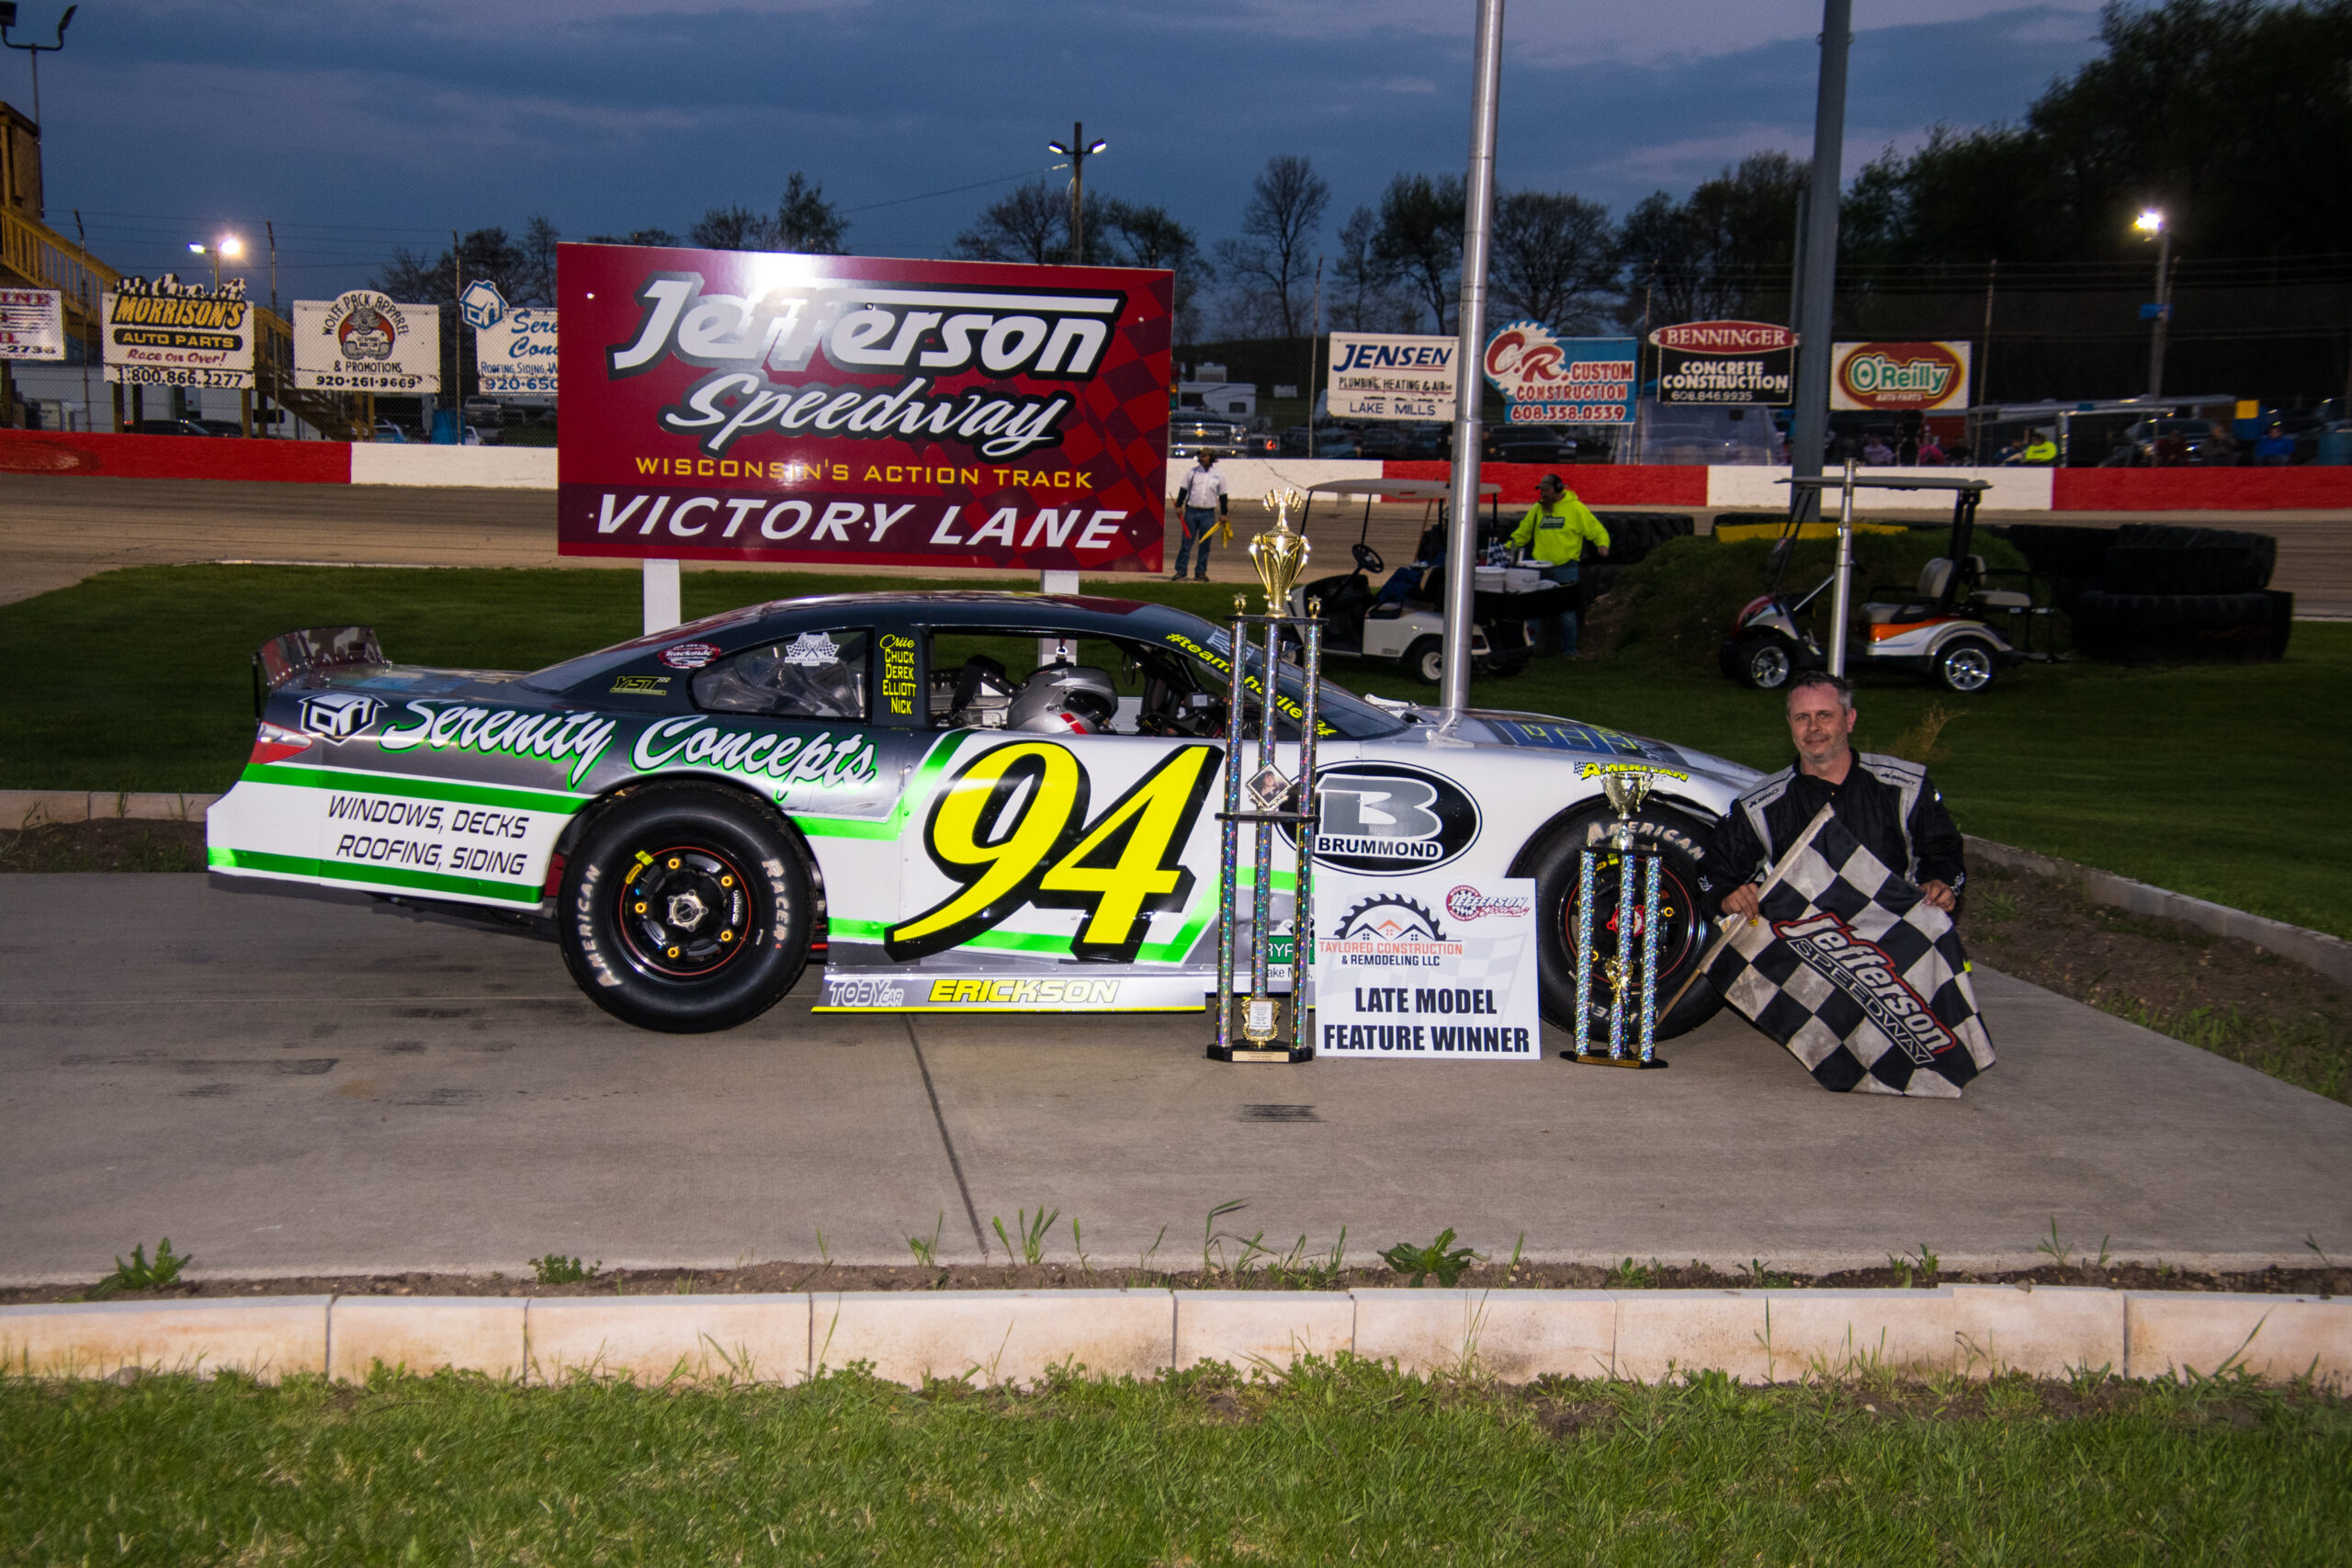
[1352,1462]
[2216,781]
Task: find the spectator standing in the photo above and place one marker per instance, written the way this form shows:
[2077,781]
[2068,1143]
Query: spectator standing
[2273,448]
[1204,500]
[1553,533]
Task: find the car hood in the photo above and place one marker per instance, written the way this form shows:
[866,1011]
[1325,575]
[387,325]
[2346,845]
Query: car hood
[1508,728]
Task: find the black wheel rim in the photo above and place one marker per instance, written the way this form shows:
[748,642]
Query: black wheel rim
[1967,669]
[685,911]
[1768,666]
[1678,931]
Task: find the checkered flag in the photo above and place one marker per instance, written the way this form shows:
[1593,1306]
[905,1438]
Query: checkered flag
[1857,975]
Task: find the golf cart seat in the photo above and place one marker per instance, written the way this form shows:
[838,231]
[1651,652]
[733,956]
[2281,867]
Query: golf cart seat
[1997,598]
[1934,577]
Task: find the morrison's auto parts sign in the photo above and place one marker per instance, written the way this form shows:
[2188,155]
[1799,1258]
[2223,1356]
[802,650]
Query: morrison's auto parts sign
[362,341]
[1725,362]
[1928,377]
[169,334]
[739,405]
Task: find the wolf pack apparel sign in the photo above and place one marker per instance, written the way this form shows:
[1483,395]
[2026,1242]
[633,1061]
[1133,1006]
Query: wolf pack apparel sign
[362,341]
[1548,380]
[32,324]
[1392,375]
[1725,362]
[1930,377]
[736,405]
[1859,975]
[1426,968]
[169,334]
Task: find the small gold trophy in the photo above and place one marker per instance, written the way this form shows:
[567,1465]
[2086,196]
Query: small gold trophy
[1280,554]
[1626,791]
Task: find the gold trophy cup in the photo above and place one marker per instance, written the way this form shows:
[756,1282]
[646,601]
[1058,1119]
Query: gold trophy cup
[1626,791]
[1280,553]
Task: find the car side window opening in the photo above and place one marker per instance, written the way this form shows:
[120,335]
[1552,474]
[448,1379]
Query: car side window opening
[1055,682]
[811,674]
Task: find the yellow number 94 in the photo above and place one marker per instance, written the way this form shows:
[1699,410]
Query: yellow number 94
[1120,868]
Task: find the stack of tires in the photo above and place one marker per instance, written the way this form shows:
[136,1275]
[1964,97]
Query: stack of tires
[2158,594]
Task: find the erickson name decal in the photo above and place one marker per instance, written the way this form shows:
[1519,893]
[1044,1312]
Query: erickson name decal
[920,334]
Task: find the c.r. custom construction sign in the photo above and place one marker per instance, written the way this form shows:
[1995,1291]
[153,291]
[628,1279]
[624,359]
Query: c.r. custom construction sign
[169,334]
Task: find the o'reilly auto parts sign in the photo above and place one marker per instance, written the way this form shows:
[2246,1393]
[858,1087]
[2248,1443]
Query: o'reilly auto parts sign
[1725,362]
[1928,377]
[741,405]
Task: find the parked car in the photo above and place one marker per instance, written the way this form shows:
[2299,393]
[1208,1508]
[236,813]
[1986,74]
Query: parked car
[387,430]
[168,427]
[1190,434]
[954,802]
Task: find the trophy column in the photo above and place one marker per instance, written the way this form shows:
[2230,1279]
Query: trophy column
[1631,969]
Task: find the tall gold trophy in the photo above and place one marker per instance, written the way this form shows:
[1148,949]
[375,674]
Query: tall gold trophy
[1267,800]
[1630,970]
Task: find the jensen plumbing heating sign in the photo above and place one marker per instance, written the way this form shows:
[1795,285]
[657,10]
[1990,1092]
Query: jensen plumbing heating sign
[362,341]
[739,405]
[1430,967]
[1392,375]
[169,334]
[1725,362]
[1927,376]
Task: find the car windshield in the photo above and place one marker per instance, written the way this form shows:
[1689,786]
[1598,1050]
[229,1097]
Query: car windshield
[1337,709]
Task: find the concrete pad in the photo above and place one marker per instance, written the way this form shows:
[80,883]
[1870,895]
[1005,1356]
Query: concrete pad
[1261,1329]
[1513,1335]
[2178,1333]
[269,1338]
[424,1334]
[654,1339]
[993,1337]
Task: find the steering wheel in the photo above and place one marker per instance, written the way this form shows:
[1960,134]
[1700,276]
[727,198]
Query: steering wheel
[1367,558]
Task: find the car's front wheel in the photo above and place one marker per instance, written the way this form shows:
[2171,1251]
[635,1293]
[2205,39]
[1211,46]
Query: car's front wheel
[1683,931]
[686,909]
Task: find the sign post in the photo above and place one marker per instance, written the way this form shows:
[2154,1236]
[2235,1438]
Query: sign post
[731,405]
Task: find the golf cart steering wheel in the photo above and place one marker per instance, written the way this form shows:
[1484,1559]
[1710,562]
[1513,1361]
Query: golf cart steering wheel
[1367,558]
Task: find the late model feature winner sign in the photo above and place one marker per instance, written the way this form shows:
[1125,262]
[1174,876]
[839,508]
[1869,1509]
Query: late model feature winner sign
[1893,377]
[32,324]
[736,405]
[1390,375]
[169,334]
[361,342]
[1430,967]
[1725,362]
[1546,379]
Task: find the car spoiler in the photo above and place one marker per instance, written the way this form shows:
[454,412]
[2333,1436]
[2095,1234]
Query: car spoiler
[293,654]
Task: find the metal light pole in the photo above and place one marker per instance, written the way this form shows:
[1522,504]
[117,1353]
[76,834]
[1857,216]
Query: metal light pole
[1817,288]
[1477,217]
[2152,222]
[229,245]
[1078,152]
[7,20]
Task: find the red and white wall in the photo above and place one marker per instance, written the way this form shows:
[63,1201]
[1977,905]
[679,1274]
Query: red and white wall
[1620,487]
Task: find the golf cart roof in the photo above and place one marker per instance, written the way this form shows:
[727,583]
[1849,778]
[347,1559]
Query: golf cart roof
[1413,488]
[1890,481]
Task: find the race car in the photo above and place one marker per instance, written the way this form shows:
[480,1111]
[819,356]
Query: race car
[954,802]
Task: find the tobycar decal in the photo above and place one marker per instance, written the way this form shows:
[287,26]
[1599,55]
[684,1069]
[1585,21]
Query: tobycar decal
[550,737]
[783,760]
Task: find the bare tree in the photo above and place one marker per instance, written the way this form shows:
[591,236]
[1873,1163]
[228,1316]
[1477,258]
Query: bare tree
[488,253]
[1420,236]
[1031,223]
[1274,257]
[733,229]
[1359,297]
[535,282]
[806,223]
[1140,234]
[1555,259]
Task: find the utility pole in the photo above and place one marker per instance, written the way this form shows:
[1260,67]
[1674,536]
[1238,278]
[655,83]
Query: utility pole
[1078,152]
[1817,288]
[1478,220]
[1983,392]
[7,20]
[2152,222]
[1314,359]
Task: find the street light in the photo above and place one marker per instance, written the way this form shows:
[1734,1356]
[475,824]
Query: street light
[230,247]
[8,19]
[1078,152]
[2152,225]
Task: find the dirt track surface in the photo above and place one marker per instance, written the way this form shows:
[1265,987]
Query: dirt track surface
[56,530]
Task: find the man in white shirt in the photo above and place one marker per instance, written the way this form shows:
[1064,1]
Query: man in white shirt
[1202,495]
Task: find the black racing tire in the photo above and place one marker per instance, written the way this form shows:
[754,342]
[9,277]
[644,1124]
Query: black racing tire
[1424,660]
[1761,664]
[1967,665]
[1683,933]
[686,909]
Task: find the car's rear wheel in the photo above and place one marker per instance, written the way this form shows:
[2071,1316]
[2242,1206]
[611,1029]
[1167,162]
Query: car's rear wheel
[1683,931]
[686,909]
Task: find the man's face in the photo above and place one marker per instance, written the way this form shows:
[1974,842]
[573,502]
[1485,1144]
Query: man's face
[1549,491]
[1819,723]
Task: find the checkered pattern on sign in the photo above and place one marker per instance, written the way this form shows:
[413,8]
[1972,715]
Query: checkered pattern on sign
[1859,975]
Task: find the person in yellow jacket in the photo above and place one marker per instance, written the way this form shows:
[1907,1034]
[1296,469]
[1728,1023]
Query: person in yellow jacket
[1553,535]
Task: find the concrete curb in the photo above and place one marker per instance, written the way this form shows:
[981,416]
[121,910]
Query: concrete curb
[32,807]
[2330,955]
[1022,1336]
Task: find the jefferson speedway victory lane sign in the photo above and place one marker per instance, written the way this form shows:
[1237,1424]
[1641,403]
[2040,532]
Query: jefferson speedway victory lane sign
[727,405]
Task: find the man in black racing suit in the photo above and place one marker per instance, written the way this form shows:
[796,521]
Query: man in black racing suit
[1887,802]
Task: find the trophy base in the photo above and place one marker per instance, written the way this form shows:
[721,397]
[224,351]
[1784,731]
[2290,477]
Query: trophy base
[1276,1044]
[1239,1052]
[1603,1059]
